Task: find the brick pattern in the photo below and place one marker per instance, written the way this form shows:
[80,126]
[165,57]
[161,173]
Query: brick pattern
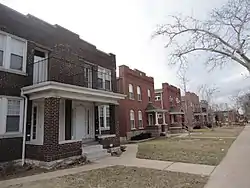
[10,149]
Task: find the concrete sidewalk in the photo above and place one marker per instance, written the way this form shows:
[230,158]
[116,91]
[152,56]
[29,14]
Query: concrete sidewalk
[234,170]
[127,159]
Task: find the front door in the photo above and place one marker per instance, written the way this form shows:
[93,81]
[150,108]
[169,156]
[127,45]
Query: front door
[85,128]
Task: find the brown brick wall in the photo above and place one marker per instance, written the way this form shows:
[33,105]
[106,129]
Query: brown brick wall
[136,78]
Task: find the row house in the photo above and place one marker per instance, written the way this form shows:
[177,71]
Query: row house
[58,93]
[135,111]
[168,98]
[226,117]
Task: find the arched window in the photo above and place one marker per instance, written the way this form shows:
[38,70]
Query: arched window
[138,93]
[149,95]
[131,91]
[132,119]
[140,119]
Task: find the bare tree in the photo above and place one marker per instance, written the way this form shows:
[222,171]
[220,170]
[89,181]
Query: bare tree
[207,93]
[225,36]
[182,76]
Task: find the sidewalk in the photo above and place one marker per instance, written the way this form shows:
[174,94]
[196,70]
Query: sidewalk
[127,159]
[234,170]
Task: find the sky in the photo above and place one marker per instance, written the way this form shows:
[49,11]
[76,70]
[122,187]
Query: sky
[125,28]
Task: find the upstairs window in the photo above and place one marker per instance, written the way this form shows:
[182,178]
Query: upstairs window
[131,92]
[149,95]
[158,97]
[104,79]
[139,93]
[12,52]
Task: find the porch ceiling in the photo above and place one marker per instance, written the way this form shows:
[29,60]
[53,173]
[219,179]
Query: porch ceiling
[60,90]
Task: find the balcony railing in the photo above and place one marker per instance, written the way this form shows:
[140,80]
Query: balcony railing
[76,73]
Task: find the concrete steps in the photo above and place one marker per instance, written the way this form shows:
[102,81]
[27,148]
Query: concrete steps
[94,152]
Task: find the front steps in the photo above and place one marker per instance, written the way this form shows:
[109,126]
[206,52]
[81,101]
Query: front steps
[94,151]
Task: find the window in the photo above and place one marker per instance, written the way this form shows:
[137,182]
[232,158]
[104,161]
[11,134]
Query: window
[1,58]
[34,123]
[104,117]
[132,119]
[13,115]
[149,95]
[88,76]
[158,97]
[131,92]
[12,52]
[150,119]
[139,93]
[104,79]
[140,119]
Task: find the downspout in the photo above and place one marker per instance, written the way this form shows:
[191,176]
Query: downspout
[24,126]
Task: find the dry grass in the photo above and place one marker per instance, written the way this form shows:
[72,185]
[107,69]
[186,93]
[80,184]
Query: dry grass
[218,132]
[189,150]
[122,177]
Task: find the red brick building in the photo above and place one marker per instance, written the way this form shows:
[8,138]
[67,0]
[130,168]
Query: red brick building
[226,117]
[191,106]
[139,89]
[169,99]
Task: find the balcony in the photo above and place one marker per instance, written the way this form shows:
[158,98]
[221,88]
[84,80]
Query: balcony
[74,73]
[70,79]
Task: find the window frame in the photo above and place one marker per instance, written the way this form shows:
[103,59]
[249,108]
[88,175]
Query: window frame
[132,118]
[140,118]
[32,122]
[4,113]
[149,95]
[7,54]
[139,97]
[102,74]
[157,97]
[131,94]
[105,108]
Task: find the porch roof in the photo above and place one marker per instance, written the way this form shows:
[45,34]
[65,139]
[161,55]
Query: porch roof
[61,90]
[152,108]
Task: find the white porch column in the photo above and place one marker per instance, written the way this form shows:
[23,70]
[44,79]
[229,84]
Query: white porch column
[164,118]
[156,118]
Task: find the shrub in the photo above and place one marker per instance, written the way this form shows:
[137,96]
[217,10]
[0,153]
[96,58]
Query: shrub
[141,136]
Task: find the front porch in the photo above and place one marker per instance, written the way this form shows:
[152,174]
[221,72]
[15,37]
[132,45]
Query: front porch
[61,122]
[156,120]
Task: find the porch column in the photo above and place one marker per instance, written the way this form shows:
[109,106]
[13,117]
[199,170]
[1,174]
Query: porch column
[51,127]
[164,118]
[156,118]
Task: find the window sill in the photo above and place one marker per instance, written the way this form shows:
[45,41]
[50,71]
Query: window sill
[105,128]
[133,129]
[13,71]
[106,136]
[68,141]
[11,135]
[34,143]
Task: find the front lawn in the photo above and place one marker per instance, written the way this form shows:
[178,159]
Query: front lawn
[189,150]
[218,132]
[122,177]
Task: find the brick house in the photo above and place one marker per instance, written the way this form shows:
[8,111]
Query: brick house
[56,91]
[169,99]
[191,106]
[137,111]
[226,116]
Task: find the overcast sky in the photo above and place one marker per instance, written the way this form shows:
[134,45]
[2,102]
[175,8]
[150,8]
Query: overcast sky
[125,28]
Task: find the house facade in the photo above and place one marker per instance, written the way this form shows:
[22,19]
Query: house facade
[57,91]
[226,116]
[191,106]
[134,117]
[169,99]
